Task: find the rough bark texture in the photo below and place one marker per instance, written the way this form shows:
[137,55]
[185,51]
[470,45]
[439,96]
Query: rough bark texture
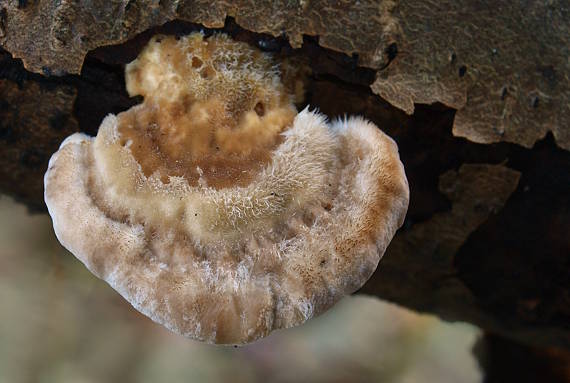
[485,238]
[503,65]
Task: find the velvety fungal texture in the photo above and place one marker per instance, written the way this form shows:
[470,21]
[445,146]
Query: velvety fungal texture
[214,207]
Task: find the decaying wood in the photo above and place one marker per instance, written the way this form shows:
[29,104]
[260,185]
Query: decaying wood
[503,65]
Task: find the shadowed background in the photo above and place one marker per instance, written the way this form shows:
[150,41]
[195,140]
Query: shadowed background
[59,323]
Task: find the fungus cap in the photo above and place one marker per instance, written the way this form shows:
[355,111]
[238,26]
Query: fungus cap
[217,219]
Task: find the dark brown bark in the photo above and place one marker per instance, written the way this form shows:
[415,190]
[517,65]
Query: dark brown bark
[506,361]
[502,64]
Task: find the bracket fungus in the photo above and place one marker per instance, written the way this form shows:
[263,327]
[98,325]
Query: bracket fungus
[214,207]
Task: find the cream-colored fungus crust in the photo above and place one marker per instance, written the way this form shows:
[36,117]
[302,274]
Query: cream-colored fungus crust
[212,104]
[299,220]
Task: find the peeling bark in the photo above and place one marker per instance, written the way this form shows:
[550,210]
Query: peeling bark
[503,65]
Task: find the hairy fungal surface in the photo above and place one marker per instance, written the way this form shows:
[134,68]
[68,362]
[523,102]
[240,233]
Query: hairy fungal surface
[213,110]
[214,207]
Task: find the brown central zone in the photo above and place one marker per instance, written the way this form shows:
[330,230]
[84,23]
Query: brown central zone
[201,139]
[213,110]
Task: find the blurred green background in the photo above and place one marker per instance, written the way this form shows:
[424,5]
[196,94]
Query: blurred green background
[59,323]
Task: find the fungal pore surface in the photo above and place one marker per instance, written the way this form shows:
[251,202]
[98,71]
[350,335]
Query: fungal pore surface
[214,207]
